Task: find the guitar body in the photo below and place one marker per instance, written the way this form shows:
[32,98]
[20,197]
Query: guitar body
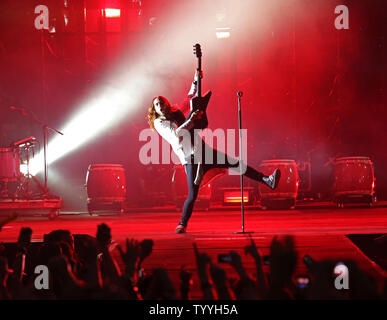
[201,103]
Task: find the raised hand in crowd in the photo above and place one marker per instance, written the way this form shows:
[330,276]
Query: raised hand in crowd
[65,284]
[145,250]
[283,260]
[219,278]
[87,252]
[109,267]
[160,287]
[245,288]
[130,257]
[261,280]
[202,262]
[22,245]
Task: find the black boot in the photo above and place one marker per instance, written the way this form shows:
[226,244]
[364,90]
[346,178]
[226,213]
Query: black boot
[273,179]
[180,228]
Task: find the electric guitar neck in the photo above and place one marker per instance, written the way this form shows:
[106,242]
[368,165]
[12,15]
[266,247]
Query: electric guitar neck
[199,102]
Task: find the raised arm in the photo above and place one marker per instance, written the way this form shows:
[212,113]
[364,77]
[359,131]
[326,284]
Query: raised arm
[202,260]
[194,85]
[261,281]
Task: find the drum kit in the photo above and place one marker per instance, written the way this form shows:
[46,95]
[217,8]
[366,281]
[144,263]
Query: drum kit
[12,158]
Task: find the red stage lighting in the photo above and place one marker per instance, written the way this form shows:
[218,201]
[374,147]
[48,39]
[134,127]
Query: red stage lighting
[232,196]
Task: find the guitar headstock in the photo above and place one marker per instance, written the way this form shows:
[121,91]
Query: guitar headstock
[197,50]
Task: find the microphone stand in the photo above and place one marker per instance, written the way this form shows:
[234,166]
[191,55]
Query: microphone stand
[45,139]
[240,94]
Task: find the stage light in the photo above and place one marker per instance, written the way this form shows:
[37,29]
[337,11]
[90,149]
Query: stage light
[232,196]
[112,13]
[97,115]
[235,199]
[223,33]
[23,168]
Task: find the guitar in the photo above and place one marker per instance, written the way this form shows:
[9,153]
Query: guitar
[198,102]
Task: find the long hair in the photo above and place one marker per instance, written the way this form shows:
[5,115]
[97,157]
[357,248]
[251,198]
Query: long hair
[152,115]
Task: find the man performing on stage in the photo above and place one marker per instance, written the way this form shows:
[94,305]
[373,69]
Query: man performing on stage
[173,126]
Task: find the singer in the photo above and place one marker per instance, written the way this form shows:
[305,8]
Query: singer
[171,124]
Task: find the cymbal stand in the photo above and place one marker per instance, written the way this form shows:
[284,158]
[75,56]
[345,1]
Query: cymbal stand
[45,141]
[26,179]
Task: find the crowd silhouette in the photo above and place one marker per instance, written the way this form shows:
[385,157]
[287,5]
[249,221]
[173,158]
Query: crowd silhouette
[88,269]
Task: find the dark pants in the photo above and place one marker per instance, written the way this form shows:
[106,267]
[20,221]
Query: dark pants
[193,190]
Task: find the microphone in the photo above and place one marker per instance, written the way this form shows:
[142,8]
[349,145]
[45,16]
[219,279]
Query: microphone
[240,94]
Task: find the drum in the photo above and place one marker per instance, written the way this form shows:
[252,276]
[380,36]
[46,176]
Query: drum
[106,183]
[287,188]
[9,164]
[353,176]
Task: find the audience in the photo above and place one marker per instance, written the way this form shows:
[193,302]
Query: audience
[89,269]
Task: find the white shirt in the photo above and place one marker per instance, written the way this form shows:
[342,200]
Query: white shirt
[178,137]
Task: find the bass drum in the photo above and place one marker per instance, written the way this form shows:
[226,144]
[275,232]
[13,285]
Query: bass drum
[106,187]
[353,180]
[9,164]
[285,194]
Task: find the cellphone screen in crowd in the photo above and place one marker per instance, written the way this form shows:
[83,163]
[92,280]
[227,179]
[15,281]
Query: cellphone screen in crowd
[302,282]
[224,258]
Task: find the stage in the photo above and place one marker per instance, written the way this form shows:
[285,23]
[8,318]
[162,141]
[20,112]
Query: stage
[320,230]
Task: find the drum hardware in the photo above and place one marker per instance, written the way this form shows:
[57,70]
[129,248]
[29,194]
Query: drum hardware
[45,128]
[24,142]
[23,189]
[10,160]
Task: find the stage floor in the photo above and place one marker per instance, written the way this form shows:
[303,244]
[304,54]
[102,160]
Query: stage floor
[319,230]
